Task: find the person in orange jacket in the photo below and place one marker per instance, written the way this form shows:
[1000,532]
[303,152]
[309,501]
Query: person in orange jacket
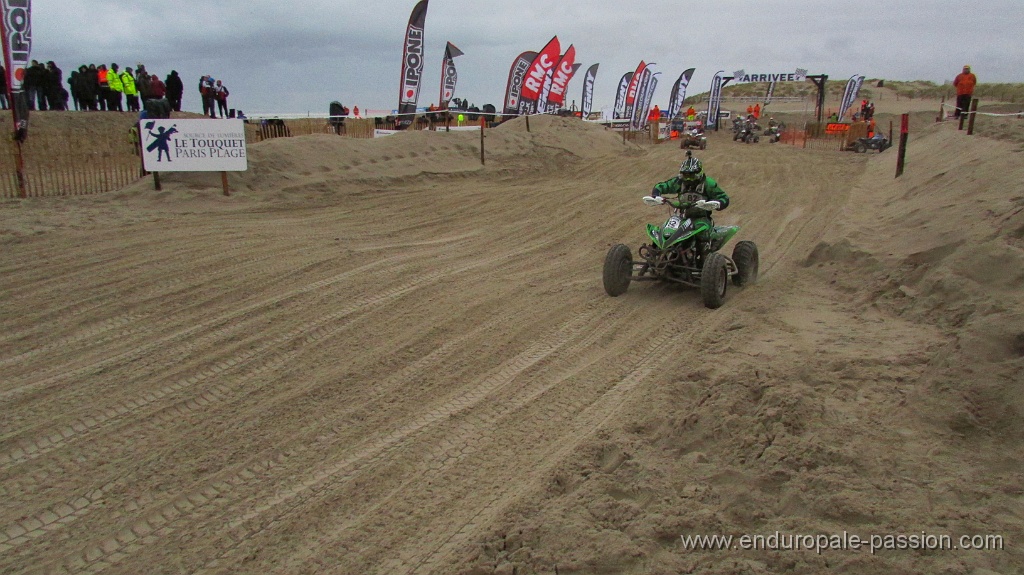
[964,83]
[757,111]
[654,115]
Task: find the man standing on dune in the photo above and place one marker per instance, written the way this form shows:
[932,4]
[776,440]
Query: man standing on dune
[964,83]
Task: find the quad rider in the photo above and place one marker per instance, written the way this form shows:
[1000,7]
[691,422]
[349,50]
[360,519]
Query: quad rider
[698,194]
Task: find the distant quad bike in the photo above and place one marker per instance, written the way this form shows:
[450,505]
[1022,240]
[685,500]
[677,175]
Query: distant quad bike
[774,133]
[878,142]
[748,133]
[683,252]
[692,137]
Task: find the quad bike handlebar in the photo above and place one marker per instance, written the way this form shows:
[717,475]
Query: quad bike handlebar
[681,205]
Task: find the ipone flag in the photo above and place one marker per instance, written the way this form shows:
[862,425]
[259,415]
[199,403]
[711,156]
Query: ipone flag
[620,96]
[715,99]
[560,76]
[545,60]
[16,28]
[412,65]
[513,90]
[678,94]
[448,74]
[587,101]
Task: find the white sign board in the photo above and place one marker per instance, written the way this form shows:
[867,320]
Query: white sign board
[193,145]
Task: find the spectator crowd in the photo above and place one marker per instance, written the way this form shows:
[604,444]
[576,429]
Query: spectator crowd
[95,87]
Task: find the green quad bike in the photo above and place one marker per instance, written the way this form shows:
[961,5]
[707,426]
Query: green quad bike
[681,252]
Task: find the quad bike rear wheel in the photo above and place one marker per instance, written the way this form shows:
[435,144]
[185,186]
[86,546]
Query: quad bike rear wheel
[860,147]
[618,268]
[714,279]
[745,257]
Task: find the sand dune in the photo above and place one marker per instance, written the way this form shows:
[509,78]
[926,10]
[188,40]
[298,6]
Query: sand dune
[380,356]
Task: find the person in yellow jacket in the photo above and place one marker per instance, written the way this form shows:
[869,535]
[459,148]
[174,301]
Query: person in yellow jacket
[131,93]
[116,87]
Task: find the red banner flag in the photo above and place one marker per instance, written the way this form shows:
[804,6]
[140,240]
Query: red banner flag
[545,60]
[563,72]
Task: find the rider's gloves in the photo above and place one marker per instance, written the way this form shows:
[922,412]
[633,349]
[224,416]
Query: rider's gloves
[707,205]
[654,193]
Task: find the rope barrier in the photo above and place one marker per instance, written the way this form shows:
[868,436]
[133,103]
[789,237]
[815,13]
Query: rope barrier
[1008,114]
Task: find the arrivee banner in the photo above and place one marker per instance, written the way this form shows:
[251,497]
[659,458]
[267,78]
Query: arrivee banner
[193,145]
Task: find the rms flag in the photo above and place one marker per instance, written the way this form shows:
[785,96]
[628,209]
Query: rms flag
[448,75]
[412,65]
[17,38]
[587,101]
[533,83]
[560,77]
[634,85]
[513,90]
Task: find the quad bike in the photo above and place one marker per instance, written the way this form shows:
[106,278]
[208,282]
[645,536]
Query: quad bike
[774,133]
[879,142]
[692,137]
[682,251]
[748,133]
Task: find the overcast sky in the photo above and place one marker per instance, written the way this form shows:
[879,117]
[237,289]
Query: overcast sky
[297,56]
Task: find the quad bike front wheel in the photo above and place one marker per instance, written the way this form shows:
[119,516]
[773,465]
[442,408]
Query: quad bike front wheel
[860,147]
[714,279]
[745,257]
[618,269]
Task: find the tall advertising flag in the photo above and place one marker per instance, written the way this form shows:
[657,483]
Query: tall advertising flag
[587,100]
[513,90]
[16,28]
[678,94]
[634,85]
[412,65]
[768,95]
[850,94]
[715,100]
[620,96]
[560,76]
[448,74]
[542,99]
[546,59]
[644,96]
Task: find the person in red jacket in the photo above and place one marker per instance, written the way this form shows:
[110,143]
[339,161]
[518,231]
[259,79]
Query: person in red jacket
[964,83]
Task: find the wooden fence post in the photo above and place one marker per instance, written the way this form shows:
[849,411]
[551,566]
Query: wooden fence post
[483,123]
[904,129]
[974,113]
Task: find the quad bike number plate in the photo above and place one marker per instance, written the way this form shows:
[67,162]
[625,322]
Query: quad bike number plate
[672,223]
